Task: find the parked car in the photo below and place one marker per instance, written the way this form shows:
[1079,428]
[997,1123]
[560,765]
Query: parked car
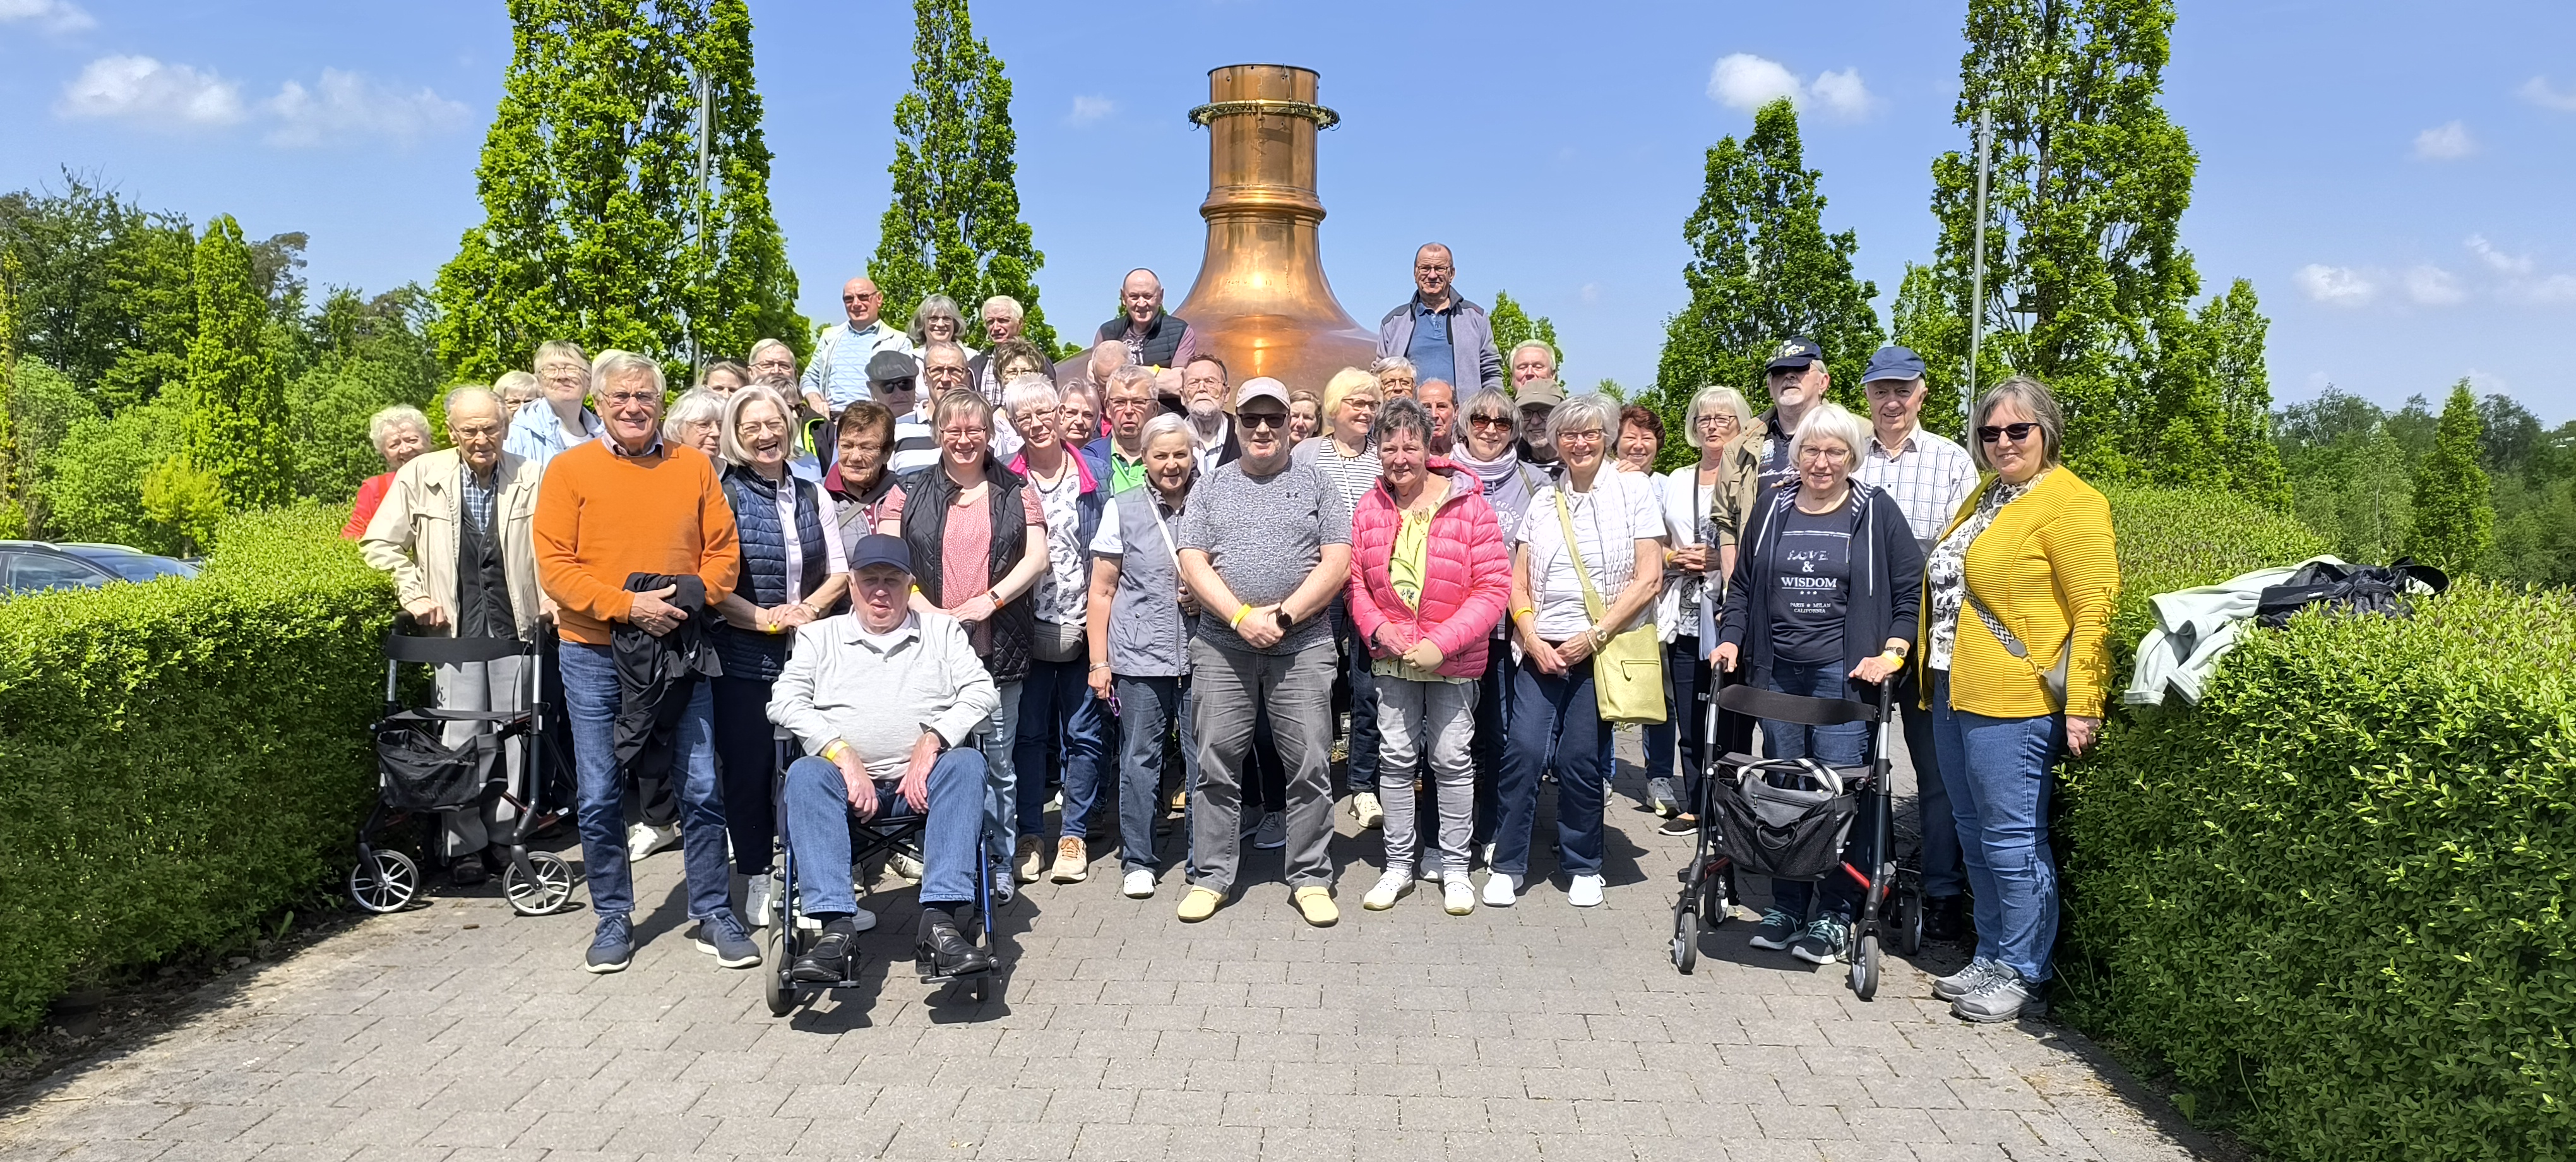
[34,566]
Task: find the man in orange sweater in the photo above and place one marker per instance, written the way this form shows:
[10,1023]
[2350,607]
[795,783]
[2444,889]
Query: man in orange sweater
[624,504]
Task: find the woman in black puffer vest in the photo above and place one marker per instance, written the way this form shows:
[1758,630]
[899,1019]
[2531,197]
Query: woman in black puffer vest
[793,570]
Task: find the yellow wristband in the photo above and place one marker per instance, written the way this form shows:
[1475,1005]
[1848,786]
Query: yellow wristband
[1239,615]
[832,750]
[1516,614]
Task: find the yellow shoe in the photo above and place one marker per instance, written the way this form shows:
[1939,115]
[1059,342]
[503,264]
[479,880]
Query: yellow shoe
[1199,905]
[1317,904]
[1072,862]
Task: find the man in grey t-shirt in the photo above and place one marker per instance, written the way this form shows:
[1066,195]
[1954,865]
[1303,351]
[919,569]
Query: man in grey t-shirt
[1265,544]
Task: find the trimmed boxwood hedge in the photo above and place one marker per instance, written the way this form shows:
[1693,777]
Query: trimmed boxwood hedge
[2334,897]
[183,758]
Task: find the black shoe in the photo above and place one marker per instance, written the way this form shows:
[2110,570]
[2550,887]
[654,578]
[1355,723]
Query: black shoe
[831,957]
[468,872]
[944,953]
[1944,918]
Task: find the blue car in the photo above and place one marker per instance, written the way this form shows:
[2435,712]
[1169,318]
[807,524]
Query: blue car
[34,566]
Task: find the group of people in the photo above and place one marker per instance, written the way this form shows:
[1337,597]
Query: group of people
[964,584]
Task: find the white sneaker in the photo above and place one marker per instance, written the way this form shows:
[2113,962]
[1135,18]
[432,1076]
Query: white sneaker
[1139,885]
[1501,888]
[1366,809]
[1395,883]
[1584,892]
[759,898]
[644,839]
[1458,897]
[1273,832]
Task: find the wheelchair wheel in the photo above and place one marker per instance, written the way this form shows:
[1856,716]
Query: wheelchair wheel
[1686,941]
[543,895]
[1864,967]
[774,967]
[384,880]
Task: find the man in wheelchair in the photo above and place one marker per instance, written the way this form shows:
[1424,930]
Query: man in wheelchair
[881,704]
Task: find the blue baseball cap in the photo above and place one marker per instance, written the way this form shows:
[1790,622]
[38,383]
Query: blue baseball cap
[1893,363]
[880,549]
[1797,351]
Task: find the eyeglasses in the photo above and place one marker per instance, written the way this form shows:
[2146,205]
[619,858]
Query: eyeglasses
[1588,436]
[1262,419]
[1715,419]
[963,433]
[1428,268]
[2015,432]
[858,298]
[1820,455]
[630,398]
[473,431]
[1503,422]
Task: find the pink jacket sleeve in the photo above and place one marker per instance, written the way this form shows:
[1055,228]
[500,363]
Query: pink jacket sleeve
[1489,584]
[1366,617]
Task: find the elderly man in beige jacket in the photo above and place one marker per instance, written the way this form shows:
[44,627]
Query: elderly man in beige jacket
[454,532]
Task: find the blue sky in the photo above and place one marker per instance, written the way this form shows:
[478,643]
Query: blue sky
[2393,177]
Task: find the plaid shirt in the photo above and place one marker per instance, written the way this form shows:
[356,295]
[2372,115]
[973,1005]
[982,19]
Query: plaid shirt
[1927,475]
[477,497]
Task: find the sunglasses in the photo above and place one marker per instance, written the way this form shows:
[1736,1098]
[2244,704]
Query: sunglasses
[1262,419]
[2014,432]
[1504,422]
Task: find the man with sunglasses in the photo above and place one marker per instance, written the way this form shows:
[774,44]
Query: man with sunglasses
[838,375]
[1797,380]
[1265,545]
[893,384]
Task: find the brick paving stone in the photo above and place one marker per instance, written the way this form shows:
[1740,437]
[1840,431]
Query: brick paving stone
[1535,1031]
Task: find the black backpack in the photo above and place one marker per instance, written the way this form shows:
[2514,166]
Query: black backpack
[2358,589]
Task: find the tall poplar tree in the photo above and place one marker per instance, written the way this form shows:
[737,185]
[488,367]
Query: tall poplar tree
[236,419]
[2087,284]
[2454,500]
[953,226]
[1763,269]
[590,187]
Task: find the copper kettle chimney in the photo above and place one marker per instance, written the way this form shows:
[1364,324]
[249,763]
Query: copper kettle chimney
[1261,302]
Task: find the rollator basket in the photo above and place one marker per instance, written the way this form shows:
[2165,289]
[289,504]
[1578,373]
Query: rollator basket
[1788,818]
[422,772]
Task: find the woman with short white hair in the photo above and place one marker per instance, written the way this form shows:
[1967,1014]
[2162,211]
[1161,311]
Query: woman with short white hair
[1704,505]
[399,433]
[1059,719]
[554,422]
[937,320]
[697,420]
[1140,659]
[1591,538]
[1828,580]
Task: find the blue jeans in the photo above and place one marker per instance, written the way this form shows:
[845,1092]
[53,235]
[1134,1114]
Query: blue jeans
[1559,715]
[1059,714]
[1835,746]
[1943,874]
[816,811]
[590,697]
[1493,726]
[1359,772]
[1147,708]
[1998,773]
[1686,696]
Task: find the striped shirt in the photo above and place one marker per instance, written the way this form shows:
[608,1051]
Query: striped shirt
[1352,476]
[1927,476]
[915,446]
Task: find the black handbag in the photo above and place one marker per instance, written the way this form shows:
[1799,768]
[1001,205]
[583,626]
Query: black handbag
[1787,818]
[423,773]
[2357,589]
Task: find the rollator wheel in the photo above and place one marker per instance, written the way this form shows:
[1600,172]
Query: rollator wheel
[1686,941]
[544,895]
[384,881]
[774,968]
[1909,922]
[1717,899]
[1864,968]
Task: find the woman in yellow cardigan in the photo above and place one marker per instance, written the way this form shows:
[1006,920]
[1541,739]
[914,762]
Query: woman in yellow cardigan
[2017,600]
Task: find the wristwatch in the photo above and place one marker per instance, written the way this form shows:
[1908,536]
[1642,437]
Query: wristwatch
[1286,622]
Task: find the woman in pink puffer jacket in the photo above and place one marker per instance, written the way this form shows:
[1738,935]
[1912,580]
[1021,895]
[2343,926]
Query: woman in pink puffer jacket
[1429,578]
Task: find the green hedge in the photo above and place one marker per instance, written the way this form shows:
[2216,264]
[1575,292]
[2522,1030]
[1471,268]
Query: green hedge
[181,759]
[2334,897]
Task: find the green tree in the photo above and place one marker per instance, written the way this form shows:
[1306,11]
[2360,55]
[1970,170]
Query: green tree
[2454,513]
[2087,285]
[103,288]
[237,421]
[1763,269]
[13,493]
[1514,325]
[1921,319]
[92,487]
[953,226]
[589,181]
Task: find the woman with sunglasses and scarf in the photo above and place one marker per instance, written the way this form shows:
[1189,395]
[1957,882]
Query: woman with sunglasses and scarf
[2017,598]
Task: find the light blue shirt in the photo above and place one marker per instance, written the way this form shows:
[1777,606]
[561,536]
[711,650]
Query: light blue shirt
[852,348]
[538,433]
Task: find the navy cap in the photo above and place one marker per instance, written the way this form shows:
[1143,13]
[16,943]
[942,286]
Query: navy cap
[1893,363]
[880,549]
[1798,351]
[886,366]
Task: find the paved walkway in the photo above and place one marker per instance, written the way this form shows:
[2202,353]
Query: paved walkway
[461,1032]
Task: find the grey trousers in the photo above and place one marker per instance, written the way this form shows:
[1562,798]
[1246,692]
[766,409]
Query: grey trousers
[1226,686]
[494,685]
[1440,718]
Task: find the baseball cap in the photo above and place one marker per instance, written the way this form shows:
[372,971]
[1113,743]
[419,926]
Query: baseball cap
[1261,387]
[1539,393]
[892,365]
[880,549]
[1798,351]
[1893,363]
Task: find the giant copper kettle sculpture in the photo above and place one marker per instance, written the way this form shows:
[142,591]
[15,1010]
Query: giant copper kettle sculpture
[1261,302]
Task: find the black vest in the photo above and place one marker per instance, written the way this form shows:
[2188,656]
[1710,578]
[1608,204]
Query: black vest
[763,545]
[1162,340]
[927,494]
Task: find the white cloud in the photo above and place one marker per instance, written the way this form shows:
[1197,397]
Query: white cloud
[2337,286]
[1590,292]
[2433,286]
[2497,260]
[2539,92]
[1745,81]
[1090,109]
[139,88]
[65,16]
[345,106]
[1843,93]
[2447,142]
[2554,291]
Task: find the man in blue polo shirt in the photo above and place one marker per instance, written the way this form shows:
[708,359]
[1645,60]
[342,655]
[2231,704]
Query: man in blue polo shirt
[1446,337]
